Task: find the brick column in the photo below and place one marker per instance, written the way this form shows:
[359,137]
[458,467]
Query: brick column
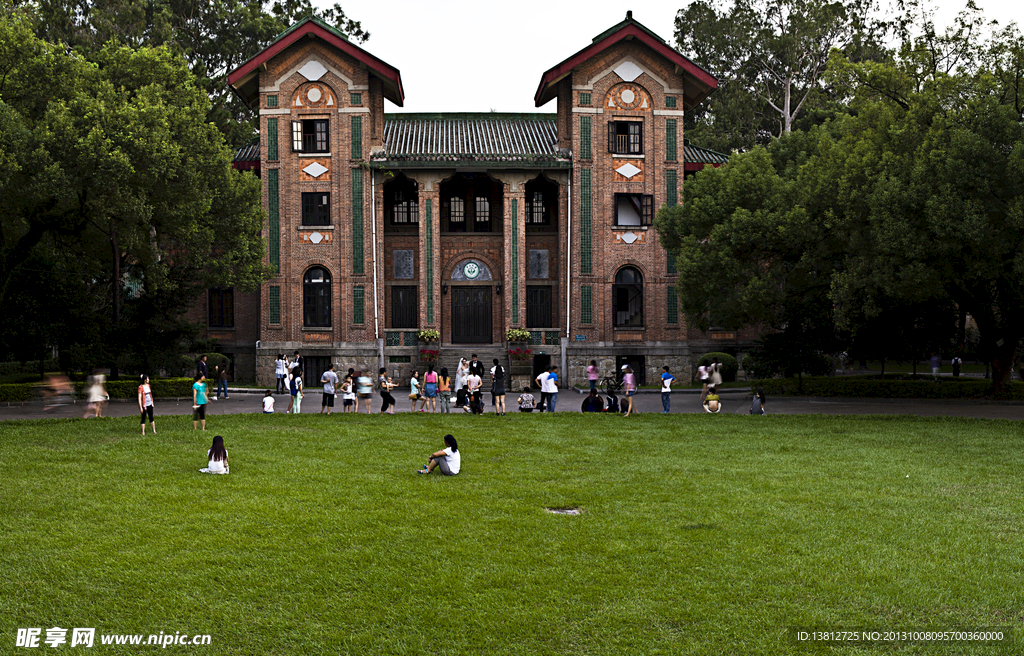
[429,252]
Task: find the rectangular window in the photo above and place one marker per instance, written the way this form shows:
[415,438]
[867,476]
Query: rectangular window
[358,305]
[274,311]
[634,209]
[357,222]
[672,305]
[404,308]
[626,137]
[405,210]
[671,187]
[670,101]
[670,140]
[357,137]
[670,264]
[586,260]
[585,99]
[482,215]
[310,136]
[355,99]
[538,307]
[536,211]
[456,214]
[272,100]
[316,208]
[586,304]
[222,308]
[273,220]
[272,139]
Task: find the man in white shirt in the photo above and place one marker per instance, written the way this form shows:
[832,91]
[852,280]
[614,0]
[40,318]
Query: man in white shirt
[329,380]
[548,382]
[702,376]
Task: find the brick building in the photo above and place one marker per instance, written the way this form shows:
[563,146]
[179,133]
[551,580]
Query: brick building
[380,225]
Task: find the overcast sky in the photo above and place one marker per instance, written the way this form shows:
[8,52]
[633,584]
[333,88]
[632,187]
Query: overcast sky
[463,56]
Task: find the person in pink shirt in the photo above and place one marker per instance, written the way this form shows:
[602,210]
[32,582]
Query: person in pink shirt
[629,383]
[592,374]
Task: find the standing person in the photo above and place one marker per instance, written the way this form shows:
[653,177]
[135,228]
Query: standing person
[355,397]
[296,364]
[757,405]
[629,384]
[217,457]
[348,395]
[526,401]
[222,380]
[201,366]
[498,388]
[936,365]
[268,403]
[592,374]
[715,373]
[146,403]
[414,393]
[444,391]
[666,389]
[474,382]
[548,382]
[96,395]
[364,390]
[329,379]
[280,370]
[199,401]
[448,460]
[476,367]
[429,390]
[702,377]
[385,384]
[460,373]
[296,389]
[957,364]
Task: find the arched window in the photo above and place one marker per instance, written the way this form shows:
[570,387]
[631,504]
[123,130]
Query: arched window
[628,298]
[316,298]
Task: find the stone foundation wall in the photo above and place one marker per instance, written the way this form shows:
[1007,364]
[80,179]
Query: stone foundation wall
[677,357]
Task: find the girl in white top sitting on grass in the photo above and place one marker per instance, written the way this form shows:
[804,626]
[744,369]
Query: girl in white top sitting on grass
[447,460]
[268,403]
[218,457]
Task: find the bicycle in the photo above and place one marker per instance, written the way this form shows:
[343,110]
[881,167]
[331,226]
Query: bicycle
[611,385]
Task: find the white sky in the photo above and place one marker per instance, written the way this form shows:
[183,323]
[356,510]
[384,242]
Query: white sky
[478,56]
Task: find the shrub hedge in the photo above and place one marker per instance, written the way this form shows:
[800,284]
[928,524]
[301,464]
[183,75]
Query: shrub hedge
[729,365]
[893,388]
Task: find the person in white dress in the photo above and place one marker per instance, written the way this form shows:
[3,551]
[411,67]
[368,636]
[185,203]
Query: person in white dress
[218,458]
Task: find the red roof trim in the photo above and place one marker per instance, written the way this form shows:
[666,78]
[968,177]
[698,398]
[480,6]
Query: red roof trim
[630,30]
[698,166]
[378,66]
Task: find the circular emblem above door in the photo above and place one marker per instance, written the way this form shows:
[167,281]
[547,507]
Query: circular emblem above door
[471,270]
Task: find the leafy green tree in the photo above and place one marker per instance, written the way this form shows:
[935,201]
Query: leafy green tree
[214,36]
[112,168]
[769,57]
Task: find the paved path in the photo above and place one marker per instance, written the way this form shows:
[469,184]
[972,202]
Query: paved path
[733,401]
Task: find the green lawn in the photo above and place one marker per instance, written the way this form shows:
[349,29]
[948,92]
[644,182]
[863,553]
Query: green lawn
[699,534]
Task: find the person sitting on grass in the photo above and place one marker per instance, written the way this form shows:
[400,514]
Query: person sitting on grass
[527,402]
[448,460]
[218,457]
[712,403]
[462,398]
[476,402]
[757,405]
[268,403]
[593,403]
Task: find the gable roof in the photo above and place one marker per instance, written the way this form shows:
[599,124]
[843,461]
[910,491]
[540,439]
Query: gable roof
[697,85]
[245,79]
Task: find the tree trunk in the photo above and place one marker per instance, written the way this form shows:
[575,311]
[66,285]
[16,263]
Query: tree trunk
[116,315]
[1004,353]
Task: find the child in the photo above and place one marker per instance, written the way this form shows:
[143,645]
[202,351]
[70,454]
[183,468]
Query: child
[526,401]
[268,403]
[348,395]
[414,395]
[712,403]
[218,457]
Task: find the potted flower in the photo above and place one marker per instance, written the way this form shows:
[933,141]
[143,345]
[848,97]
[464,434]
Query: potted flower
[429,355]
[518,354]
[429,335]
[517,335]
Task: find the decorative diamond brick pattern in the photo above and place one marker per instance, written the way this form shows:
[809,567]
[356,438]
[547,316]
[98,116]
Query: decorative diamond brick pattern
[628,71]
[411,339]
[316,169]
[313,70]
[551,338]
[392,338]
[627,170]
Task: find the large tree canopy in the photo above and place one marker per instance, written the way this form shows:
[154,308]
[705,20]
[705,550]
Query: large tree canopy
[769,57]
[112,177]
[214,36]
[883,220]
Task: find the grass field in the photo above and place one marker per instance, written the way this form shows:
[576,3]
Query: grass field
[698,534]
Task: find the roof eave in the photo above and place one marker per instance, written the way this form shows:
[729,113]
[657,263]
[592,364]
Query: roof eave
[547,88]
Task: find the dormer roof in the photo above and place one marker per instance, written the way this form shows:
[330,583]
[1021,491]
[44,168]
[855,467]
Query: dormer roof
[245,79]
[698,83]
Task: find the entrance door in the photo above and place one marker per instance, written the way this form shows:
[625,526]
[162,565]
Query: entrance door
[471,315]
[404,309]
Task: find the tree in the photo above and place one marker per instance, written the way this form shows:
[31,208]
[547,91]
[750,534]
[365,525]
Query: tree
[112,170]
[214,36]
[769,57]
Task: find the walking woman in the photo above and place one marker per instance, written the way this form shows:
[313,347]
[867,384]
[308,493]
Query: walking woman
[498,388]
[444,390]
[385,385]
[146,403]
[629,384]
